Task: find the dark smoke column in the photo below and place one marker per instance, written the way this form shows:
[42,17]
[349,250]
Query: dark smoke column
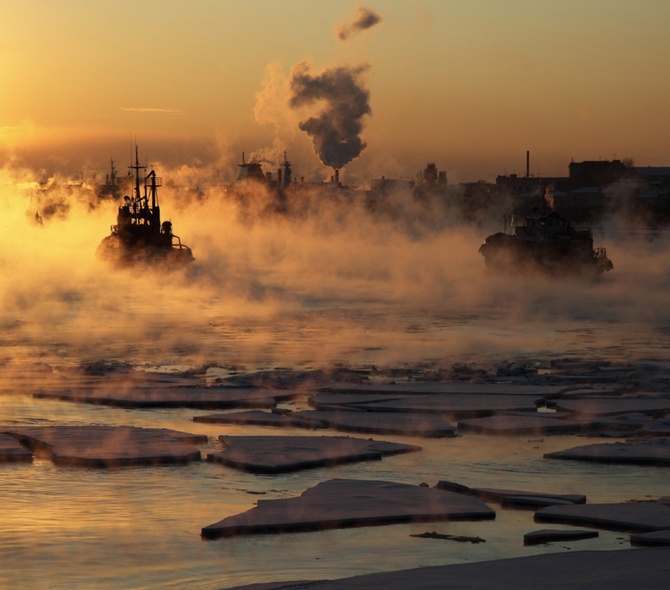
[367,18]
[336,131]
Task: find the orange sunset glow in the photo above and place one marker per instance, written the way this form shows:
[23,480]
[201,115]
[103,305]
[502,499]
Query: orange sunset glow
[470,85]
[294,291]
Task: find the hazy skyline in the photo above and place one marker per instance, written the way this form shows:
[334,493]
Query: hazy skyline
[470,86]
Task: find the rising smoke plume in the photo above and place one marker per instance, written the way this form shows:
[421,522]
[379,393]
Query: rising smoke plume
[336,131]
[367,18]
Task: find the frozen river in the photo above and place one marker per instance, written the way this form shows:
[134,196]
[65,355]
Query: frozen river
[304,297]
[140,527]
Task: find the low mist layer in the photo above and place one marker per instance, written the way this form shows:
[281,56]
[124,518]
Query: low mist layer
[329,280]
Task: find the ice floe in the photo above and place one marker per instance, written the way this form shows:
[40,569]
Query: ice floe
[282,454]
[623,516]
[11,450]
[177,397]
[108,446]
[345,503]
[578,570]
[654,452]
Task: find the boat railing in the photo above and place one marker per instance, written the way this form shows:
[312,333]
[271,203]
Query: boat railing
[178,245]
[157,182]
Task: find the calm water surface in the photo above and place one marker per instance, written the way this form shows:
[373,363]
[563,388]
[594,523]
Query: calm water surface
[140,527]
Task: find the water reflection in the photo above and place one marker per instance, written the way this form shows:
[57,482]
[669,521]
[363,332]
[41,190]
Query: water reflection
[140,527]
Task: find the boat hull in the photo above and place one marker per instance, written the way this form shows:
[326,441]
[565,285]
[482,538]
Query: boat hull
[507,253]
[114,251]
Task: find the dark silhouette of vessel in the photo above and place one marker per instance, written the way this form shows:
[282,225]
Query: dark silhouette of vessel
[114,185]
[548,243]
[139,237]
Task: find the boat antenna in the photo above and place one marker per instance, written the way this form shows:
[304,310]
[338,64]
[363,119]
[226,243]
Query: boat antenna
[137,169]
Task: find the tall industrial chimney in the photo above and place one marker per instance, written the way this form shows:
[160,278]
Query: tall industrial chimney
[527,163]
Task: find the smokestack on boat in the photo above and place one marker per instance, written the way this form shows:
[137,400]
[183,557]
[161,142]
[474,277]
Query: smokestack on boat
[336,178]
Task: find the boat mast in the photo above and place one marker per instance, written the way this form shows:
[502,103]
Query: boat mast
[154,183]
[137,169]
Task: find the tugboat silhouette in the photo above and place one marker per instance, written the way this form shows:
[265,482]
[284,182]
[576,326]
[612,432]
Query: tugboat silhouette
[547,243]
[139,237]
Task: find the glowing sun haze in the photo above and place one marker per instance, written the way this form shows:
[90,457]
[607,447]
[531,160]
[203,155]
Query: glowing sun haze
[469,85]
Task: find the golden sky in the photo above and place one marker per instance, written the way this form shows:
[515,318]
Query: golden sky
[468,85]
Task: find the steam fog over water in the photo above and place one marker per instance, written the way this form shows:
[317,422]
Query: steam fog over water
[333,284]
